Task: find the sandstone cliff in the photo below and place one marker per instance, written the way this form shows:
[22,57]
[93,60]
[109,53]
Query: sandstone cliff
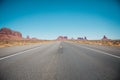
[8,34]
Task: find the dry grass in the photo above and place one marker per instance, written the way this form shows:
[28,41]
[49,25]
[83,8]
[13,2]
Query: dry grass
[99,42]
[8,43]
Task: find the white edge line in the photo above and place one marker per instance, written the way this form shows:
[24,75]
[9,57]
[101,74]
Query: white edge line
[16,54]
[101,52]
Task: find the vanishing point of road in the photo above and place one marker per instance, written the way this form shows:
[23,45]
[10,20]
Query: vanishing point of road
[60,61]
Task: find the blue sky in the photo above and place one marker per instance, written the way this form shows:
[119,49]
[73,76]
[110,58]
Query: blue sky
[48,19]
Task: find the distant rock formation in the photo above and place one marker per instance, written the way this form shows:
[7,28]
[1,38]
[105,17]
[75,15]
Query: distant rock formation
[85,38]
[105,38]
[27,37]
[8,34]
[81,38]
[34,38]
[62,38]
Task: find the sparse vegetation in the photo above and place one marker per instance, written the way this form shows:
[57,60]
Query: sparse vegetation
[8,43]
[99,42]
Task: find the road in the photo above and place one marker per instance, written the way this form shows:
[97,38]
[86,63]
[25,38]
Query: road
[60,61]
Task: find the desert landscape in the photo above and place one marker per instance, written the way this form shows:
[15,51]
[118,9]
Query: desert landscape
[98,42]
[59,39]
[10,37]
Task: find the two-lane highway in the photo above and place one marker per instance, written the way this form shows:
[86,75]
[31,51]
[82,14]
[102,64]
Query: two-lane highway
[60,61]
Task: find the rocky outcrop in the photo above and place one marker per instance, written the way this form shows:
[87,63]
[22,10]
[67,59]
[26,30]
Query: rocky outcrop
[105,38]
[34,38]
[8,34]
[27,37]
[81,38]
[62,38]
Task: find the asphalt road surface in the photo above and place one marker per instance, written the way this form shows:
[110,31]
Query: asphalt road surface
[60,61]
